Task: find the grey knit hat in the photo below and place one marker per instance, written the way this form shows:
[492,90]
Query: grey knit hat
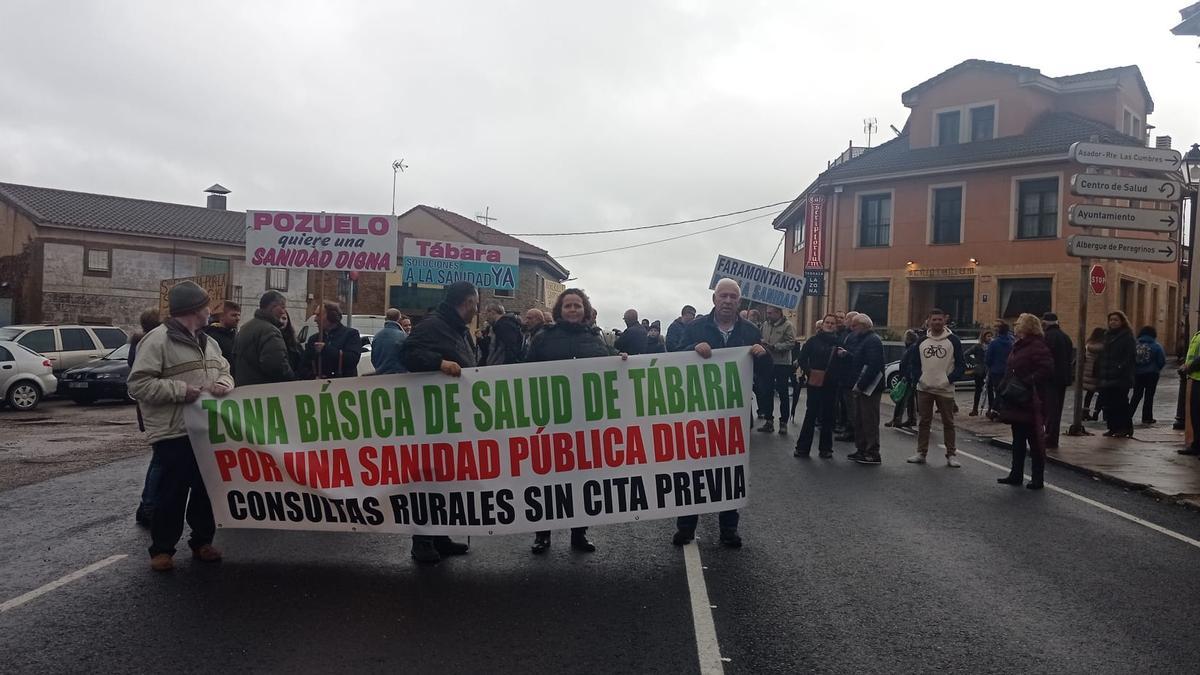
[185,298]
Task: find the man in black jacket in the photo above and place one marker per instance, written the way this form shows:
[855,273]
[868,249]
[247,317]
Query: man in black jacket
[262,355]
[866,369]
[507,340]
[633,338]
[223,330]
[678,327]
[335,350]
[721,328]
[442,342]
[1062,349]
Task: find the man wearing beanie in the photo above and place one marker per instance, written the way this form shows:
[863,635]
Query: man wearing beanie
[175,363]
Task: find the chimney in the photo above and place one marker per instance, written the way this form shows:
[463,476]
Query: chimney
[1162,142]
[216,196]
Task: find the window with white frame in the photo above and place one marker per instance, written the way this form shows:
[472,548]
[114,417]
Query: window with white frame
[983,122]
[277,279]
[798,232]
[1037,208]
[99,260]
[875,220]
[948,127]
[947,215]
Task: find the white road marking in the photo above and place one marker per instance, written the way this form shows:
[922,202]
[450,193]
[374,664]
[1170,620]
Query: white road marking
[58,583]
[707,648]
[1103,507]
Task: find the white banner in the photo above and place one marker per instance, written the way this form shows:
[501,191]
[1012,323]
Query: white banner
[500,450]
[346,242]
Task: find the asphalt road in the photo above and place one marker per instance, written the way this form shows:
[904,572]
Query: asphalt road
[846,569]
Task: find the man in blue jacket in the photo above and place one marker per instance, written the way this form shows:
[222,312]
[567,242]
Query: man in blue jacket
[721,328]
[996,358]
[385,350]
[866,369]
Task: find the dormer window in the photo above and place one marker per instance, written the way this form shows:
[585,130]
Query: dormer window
[948,126]
[965,123]
[983,123]
[1131,124]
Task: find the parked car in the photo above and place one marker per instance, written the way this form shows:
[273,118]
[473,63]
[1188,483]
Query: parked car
[102,378]
[25,376]
[891,372]
[66,346]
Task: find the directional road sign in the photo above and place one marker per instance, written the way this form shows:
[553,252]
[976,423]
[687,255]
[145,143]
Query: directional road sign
[1148,250]
[1147,220]
[1095,185]
[1126,156]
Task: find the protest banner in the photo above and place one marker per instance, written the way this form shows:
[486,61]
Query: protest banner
[429,261]
[213,284]
[499,450]
[344,242]
[760,284]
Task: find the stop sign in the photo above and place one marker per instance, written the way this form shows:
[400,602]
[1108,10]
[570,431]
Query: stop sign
[1099,279]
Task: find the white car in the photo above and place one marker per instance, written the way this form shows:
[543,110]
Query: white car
[25,376]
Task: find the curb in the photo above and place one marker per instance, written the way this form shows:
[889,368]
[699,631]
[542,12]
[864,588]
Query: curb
[1149,490]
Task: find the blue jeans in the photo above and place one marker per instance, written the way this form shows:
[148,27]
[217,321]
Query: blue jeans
[728,520]
[153,477]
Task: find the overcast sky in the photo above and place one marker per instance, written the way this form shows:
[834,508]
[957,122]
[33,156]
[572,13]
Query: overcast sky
[557,116]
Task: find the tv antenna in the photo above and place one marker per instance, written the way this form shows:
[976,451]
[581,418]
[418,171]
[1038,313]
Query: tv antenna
[485,218]
[398,167]
[870,126]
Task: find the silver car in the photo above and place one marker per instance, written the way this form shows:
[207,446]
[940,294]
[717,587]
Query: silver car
[25,376]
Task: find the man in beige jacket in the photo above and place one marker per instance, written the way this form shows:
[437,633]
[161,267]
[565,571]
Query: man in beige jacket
[175,363]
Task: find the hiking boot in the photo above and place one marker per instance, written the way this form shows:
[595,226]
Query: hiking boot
[974,412]
[1034,486]
[869,459]
[916,459]
[854,456]
[579,542]
[767,427]
[952,462]
[207,553]
[730,537]
[1011,480]
[683,536]
[783,428]
[825,454]
[162,562]
[445,546]
[424,552]
[541,543]
[802,453]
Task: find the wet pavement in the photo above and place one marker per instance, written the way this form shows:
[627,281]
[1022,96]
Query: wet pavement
[60,437]
[1147,461]
[847,569]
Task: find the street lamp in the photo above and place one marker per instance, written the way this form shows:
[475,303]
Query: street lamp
[1191,165]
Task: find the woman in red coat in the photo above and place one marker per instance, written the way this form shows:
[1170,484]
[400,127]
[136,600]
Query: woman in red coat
[1030,364]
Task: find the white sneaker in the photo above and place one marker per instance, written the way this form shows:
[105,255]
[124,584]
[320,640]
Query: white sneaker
[916,459]
[952,462]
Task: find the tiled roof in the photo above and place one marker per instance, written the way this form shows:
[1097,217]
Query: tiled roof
[1051,134]
[971,63]
[125,215]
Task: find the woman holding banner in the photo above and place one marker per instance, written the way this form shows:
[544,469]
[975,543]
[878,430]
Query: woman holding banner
[571,336]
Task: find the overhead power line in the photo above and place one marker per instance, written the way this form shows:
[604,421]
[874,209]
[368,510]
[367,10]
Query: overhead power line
[678,236]
[777,247]
[648,227]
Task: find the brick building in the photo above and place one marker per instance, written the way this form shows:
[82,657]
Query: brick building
[78,257]
[966,208]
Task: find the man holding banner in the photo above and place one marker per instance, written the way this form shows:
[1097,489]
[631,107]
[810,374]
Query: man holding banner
[442,342]
[175,363]
[722,327]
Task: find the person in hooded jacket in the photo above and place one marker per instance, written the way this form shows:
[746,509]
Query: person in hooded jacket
[818,357]
[910,363]
[1115,371]
[1062,349]
[1031,365]
[975,359]
[996,359]
[571,336]
[940,364]
[1149,360]
[678,327]
[654,339]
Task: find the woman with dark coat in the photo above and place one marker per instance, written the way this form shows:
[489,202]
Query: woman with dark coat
[294,351]
[1115,371]
[571,336]
[817,354]
[1030,364]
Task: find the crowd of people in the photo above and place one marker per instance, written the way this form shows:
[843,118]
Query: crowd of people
[1020,374]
